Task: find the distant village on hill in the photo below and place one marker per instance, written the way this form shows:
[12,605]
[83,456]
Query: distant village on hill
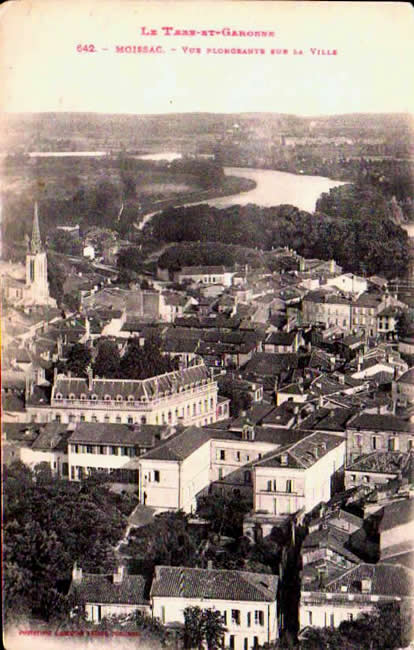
[207,401]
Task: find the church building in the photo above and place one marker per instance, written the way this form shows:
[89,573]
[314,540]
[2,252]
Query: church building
[35,290]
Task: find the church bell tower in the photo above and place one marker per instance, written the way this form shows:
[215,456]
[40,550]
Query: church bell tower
[36,266]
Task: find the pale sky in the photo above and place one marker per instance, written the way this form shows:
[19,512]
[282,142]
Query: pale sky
[42,71]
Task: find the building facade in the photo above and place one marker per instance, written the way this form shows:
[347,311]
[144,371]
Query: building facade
[187,396]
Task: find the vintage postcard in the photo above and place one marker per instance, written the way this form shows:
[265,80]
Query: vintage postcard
[207,364]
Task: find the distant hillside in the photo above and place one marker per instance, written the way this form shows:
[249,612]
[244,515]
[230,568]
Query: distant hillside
[116,130]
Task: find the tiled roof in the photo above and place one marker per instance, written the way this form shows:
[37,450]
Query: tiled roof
[53,436]
[372,422]
[201,270]
[397,514]
[304,453]
[266,363]
[389,462]
[95,588]
[212,584]
[281,338]
[180,446]
[146,388]
[387,579]
[122,434]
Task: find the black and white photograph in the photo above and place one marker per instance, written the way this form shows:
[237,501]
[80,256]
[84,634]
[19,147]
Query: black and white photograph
[207,325]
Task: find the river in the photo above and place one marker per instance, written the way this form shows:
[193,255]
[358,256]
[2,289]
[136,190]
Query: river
[272,187]
[276,188]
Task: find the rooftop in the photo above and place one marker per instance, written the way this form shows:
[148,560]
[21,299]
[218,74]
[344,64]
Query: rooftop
[303,453]
[95,588]
[213,584]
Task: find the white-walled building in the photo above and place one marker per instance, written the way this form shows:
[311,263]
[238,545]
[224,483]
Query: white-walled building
[246,601]
[187,396]
[108,595]
[299,475]
[171,475]
[205,275]
[357,590]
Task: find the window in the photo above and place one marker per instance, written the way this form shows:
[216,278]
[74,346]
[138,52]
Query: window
[289,486]
[58,418]
[332,620]
[222,454]
[247,477]
[310,618]
[130,419]
[72,418]
[94,418]
[358,440]
[102,450]
[238,456]
[156,476]
[249,619]
[410,445]
[118,419]
[350,616]
[211,402]
[162,614]
[225,617]
[220,473]
[271,486]
[246,644]
[113,451]
[107,418]
[366,479]
[231,642]
[194,409]
[374,442]
[82,418]
[392,444]
[235,616]
[259,617]
[89,449]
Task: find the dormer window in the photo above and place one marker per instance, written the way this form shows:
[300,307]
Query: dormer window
[71,396]
[83,396]
[94,397]
[130,398]
[107,398]
[58,396]
[119,398]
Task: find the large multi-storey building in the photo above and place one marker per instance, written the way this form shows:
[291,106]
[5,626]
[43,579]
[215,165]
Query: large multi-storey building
[187,396]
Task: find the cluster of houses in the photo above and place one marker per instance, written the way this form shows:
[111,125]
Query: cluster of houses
[324,439]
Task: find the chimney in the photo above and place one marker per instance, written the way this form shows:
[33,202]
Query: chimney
[76,574]
[90,378]
[284,459]
[118,576]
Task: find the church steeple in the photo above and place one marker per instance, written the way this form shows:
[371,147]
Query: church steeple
[36,242]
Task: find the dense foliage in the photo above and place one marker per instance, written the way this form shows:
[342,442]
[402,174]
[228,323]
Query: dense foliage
[355,228]
[367,631]
[203,625]
[48,525]
[141,362]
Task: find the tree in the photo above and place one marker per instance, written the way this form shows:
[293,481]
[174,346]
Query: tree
[203,625]
[107,362]
[141,362]
[79,358]
[194,632]
[56,278]
[214,629]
